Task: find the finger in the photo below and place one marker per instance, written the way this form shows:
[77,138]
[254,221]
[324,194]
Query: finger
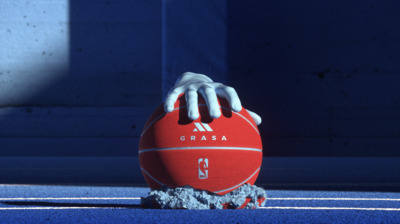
[256,118]
[212,102]
[170,101]
[192,104]
[231,95]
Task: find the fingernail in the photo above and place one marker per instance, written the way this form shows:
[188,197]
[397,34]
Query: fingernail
[215,114]
[193,116]
[236,107]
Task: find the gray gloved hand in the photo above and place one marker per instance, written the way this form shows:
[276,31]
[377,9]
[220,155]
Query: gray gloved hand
[191,84]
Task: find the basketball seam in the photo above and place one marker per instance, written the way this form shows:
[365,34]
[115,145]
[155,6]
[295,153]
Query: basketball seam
[147,173]
[154,121]
[157,118]
[238,185]
[247,122]
[200,147]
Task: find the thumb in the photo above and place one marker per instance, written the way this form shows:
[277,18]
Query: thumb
[256,118]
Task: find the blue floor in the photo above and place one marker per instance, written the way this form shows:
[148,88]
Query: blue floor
[105,204]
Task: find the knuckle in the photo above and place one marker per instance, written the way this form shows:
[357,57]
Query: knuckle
[208,89]
[192,87]
[229,89]
[174,92]
[210,85]
[191,92]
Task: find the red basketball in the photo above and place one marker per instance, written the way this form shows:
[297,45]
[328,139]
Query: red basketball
[218,155]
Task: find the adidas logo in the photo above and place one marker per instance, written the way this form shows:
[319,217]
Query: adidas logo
[202,127]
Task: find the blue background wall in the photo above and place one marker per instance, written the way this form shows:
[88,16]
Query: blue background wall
[323,75]
[78,79]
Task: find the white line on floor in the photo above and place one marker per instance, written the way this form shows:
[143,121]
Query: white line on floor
[138,198]
[70,198]
[57,208]
[337,199]
[334,208]
[330,184]
[287,208]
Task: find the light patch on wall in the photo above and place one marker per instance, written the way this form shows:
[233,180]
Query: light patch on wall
[34,37]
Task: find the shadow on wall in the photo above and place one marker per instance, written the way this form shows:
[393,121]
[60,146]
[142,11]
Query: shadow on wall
[323,75]
[98,105]
[79,123]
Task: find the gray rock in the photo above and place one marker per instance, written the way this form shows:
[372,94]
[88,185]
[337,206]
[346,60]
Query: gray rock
[190,198]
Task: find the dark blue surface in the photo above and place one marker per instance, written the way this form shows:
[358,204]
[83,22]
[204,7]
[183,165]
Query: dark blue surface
[177,216]
[31,204]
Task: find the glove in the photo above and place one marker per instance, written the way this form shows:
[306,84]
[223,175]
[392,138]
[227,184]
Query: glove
[191,84]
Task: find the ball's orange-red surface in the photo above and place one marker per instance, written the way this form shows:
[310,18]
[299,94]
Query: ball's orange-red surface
[217,155]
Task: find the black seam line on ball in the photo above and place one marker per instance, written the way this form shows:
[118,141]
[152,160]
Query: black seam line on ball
[200,105]
[201,147]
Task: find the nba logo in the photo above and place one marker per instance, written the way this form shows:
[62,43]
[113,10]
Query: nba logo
[203,168]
